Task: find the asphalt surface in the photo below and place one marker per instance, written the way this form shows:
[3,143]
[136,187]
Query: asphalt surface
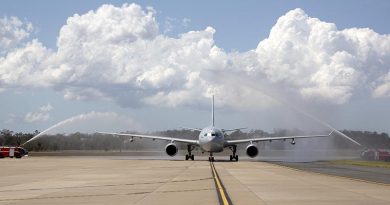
[374,174]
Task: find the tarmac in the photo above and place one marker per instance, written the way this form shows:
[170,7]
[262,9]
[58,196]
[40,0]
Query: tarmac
[364,173]
[132,180]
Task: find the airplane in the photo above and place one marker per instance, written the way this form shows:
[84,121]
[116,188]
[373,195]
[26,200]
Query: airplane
[212,139]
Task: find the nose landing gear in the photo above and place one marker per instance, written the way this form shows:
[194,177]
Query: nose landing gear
[211,158]
[234,156]
[189,155]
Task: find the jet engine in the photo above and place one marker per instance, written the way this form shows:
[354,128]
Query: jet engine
[171,149]
[252,150]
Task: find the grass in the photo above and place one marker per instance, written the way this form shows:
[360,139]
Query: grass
[381,164]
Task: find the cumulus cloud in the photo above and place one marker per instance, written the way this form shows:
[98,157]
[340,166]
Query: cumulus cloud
[12,32]
[119,54]
[320,61]
[132,62]
[26,66]
[42,115]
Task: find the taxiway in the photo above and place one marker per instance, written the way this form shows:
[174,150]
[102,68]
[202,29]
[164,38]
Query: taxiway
[115,180]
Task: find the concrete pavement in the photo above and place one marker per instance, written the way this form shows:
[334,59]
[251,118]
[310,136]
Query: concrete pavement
[110,180]
[274,184]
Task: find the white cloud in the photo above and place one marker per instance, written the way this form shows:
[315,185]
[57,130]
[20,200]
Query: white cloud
[129,71]
[171,24]
[383,87]
[185,22]
[12,32]
[46,108]
[27,66]
[36,117]
[119,54]
[42,115]
[320,61]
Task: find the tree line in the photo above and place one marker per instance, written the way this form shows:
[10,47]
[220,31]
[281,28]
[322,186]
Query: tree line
[83,141]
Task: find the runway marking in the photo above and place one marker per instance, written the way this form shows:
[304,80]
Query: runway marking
[331,175]
[223,197]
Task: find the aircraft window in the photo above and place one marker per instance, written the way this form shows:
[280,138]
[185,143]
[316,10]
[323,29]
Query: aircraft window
[205,134]
[213,135]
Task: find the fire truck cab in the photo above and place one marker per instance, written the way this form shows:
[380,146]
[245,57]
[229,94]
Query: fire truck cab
[17,152]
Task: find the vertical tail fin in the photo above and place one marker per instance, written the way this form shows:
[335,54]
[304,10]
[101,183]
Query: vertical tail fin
[212,114]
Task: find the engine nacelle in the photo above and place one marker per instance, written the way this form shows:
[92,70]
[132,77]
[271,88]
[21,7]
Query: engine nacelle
[252,150]
[171,149]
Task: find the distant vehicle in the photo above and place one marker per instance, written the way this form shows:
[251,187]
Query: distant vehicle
[17,152]
[376,154]
[212,139]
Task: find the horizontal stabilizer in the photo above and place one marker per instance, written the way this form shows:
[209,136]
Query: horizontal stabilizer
[235,129]
[192,129]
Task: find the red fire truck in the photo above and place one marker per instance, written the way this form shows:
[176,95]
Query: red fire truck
[376,154]
[11,152]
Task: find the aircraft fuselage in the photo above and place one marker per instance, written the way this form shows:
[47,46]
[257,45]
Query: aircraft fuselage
[211,139]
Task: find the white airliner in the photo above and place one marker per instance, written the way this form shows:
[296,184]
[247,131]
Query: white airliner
[212,139]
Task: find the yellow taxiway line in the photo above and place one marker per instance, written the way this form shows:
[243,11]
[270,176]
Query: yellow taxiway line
[224,198]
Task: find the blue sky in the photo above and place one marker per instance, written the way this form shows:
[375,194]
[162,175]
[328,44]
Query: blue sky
[237,30]
[240,26]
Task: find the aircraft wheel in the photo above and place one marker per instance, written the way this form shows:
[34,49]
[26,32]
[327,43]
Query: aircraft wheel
[231,158]
[187,156]
[192,157]
[236,158]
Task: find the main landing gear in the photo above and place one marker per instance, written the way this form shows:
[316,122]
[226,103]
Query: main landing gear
[234,156]
[211,158]
[189,155]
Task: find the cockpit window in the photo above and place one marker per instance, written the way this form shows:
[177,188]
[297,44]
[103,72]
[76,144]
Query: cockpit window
[211,134]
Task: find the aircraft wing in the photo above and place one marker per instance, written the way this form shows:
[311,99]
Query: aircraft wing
[262,139]
[172,139]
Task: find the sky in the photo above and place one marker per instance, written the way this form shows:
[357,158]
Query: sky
[154,65]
